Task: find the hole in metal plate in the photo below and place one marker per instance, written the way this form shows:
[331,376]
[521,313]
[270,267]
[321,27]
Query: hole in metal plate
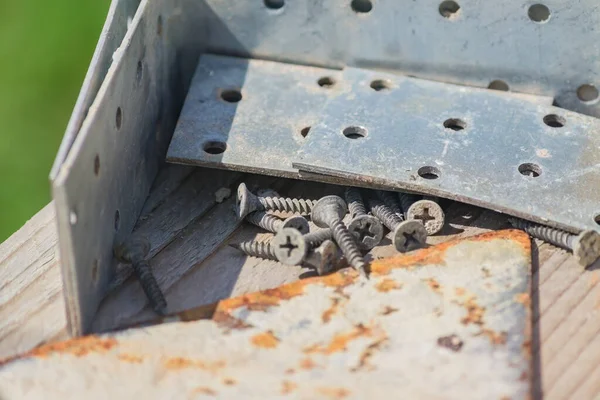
[117,220]
[355,132]
[159,25]
[139,72]
[530,169]
[554,121]
[214,147]
[498,85]
[326,82]
[539,13]
[304,131]
[361,6]
[274,4]
[97,165]
[597,219]
[455,124]
[231,95]
[380,84]
[429,172]
[449,9]
[118,118]
[587,93]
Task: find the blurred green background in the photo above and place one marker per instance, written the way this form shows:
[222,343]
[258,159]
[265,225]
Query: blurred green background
[45,49]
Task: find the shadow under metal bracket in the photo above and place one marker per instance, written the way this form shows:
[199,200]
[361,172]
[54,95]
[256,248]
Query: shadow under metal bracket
[510,153]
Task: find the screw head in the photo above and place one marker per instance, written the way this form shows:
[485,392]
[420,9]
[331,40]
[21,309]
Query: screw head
[586,247]
[367,230]
[429,213]
[324,258]
[133,249]
[298,223]
[326,208]
[409,236]
[289,246]
[246,202]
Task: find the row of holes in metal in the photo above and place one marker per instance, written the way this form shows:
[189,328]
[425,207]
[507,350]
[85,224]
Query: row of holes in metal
[119,115]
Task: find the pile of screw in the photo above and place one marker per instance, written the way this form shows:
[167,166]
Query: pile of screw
[407,216]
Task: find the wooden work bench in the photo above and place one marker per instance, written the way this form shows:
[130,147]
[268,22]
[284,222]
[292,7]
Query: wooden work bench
[189,230]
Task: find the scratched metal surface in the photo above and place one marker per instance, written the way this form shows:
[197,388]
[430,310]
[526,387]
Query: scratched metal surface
[484,41]
[416,329]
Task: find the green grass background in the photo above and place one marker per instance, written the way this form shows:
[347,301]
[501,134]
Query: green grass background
[45,50]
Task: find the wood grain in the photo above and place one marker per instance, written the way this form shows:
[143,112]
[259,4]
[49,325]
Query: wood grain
[195,266]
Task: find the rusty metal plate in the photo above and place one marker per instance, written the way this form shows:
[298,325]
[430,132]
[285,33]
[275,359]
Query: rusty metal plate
[452,321]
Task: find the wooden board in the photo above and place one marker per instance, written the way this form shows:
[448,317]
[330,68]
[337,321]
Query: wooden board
[195,266]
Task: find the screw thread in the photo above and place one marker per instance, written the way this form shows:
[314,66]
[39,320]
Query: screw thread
[391,202]
[384,214]
[256,249]
[553,236]
[407,200]
[355,202]
[315,239]
[265,221]
[150,286]
[286,204]
[346,242]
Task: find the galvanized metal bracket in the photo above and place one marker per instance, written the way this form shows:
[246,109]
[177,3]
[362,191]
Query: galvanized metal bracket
[362,127]
[451,321]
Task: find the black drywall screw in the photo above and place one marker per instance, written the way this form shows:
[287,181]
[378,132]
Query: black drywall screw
[391,201]
[329,212]
[366,229]
[134,251]
[314,239]
[256,249]
[324,258]
[407,235]
[248,202]
[289,246]
[407,200]
[274,224]
[585,246]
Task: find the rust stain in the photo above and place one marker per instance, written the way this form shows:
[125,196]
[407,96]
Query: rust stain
[523,298]
[229,381]
[78,347]
[290,371]
[334,392]
[130,358]
[177,363]
[265,340]
[387,284]
[496,338]
[229,322]
[452,342]
[204,390]
[327,314]
[387,310]
[307,363]
[475,312]
[287,387]
[460,291]
[366,355]
[434,285]
[340,341]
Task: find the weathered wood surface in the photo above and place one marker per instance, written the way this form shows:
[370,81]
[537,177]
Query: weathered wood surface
[195,266]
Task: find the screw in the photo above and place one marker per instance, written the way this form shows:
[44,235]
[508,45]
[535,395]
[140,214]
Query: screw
[289,246]
[585,246]
[324,258]
[248,202]
[406,235]
[314,239]
[134,251]
[366,229]
[329,212]
[256,249]
[427,211]
[391,202]
[273,224]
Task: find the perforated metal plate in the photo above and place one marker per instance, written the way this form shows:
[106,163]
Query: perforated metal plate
[551,48]
[483,146]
